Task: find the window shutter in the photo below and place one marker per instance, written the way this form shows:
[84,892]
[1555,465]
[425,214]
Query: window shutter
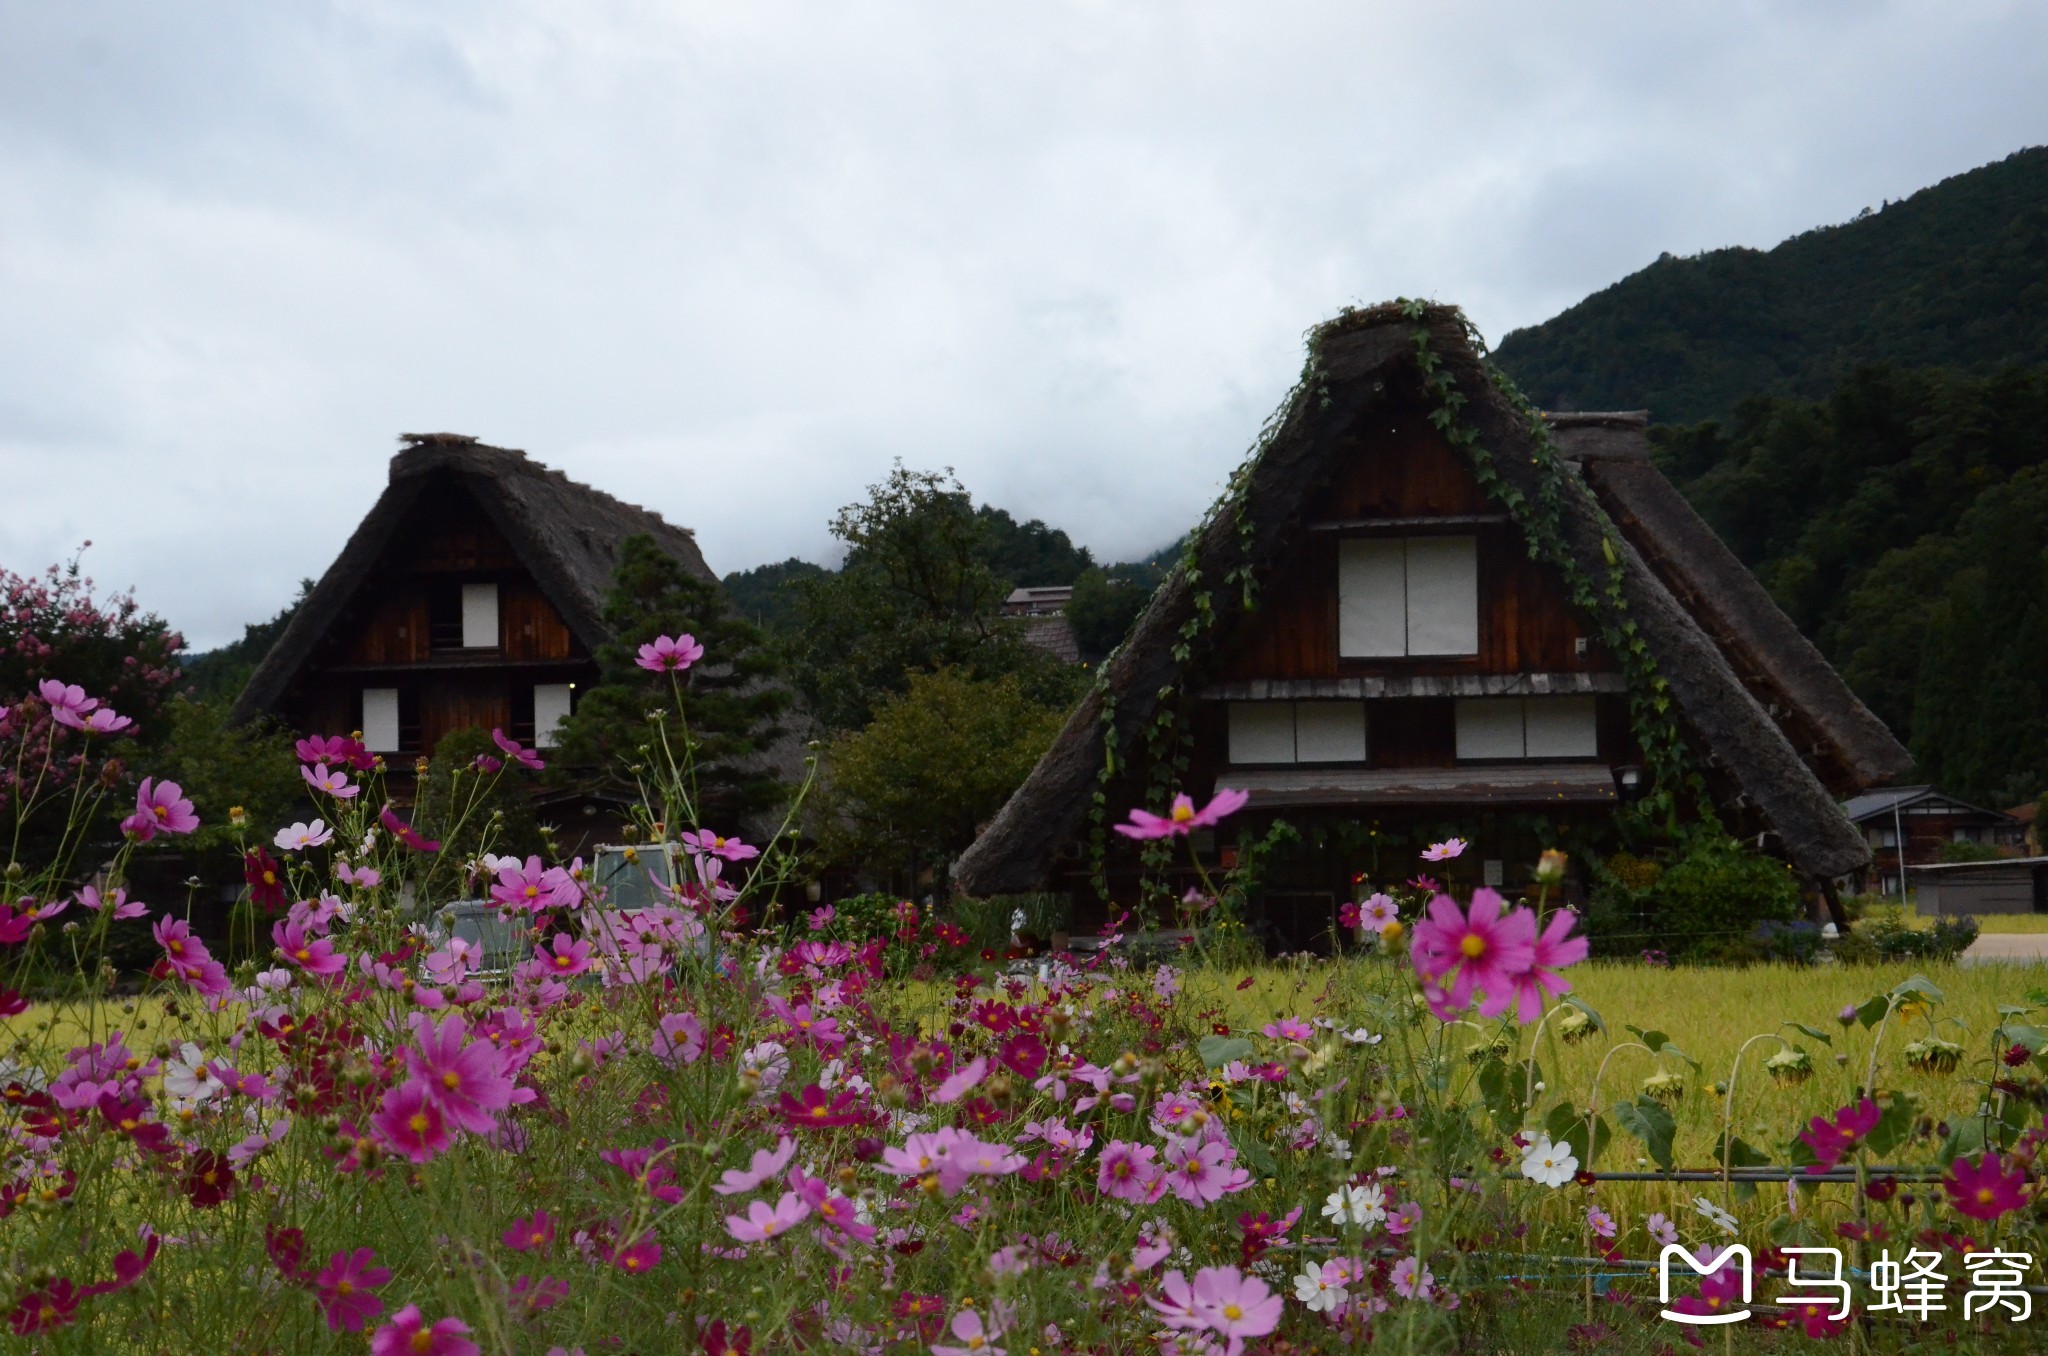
[380,719]
[551,702]
[1329,732]
[1261,732]
[1443,595]
[479,616]
[1372,588]
[1490,727]
[1561,727]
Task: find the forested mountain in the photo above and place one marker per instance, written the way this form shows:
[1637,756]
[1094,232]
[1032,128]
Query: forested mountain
[1955,275]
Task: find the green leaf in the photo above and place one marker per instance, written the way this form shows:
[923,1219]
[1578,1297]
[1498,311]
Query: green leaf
[1965,1139]
[1792,1231]
[1741,1153]
[1566,1124]
[1823,1037]
[1648,1121]
[1258,1155]
[1655,1040]
[1918,984]
[1872,1012]
[1895,1124]
[1502,1087]
[2032,1037]
[1217,1051]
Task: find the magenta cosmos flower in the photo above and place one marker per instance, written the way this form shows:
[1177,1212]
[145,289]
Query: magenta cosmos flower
[467,1082]
[334,783]
[344,1290]
[314,955]
[518,752]
[1555,949]
[408,1123]
[1984,1189]
[670,654]
[1184,817]
[1478,950]
[160,807]
[974,1337]
[765,1164]
[407,1334]
[1831,1139]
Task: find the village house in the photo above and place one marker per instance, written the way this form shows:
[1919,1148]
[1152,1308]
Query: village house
[1385,636]
[1044,610]
[1930,825]
[471,596]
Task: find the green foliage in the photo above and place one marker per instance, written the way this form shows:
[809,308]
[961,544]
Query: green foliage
[910,790]
[1969,852]
[221,766]
[219,675]
[1028,554]
[767,594]
[1106,604]
[734,695]
[1955,275]
[471,811]
[1716,892]
[918,593]
[1892,938]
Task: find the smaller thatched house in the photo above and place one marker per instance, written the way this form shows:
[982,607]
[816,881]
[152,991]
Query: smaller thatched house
[471,596]
[1422,609]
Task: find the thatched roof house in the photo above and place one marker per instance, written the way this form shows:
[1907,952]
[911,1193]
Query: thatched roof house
[1422,603]
[471,595]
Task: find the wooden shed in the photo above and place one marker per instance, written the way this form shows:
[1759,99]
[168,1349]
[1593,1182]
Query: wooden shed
[1422,604]
[1952,889]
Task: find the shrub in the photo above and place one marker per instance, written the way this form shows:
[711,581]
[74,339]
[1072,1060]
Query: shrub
[1713,897]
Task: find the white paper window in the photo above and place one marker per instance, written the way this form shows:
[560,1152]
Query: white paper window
[550,708]
[1561,727]
[1261,732]
[380,719]
[1329,732]
[1527,727]
[1407,596]
[479,616]
[1372,597]
[1490,727]
[1443,595]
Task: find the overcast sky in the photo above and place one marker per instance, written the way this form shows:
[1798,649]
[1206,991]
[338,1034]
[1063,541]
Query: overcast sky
[727,260]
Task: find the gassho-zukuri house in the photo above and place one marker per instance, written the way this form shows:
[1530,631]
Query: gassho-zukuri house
[1423,610]
[471,596]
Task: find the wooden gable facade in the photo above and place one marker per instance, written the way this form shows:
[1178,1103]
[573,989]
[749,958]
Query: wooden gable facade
[1408,663]
[471,596]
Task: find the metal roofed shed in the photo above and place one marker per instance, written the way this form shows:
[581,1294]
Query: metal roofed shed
[1954,889]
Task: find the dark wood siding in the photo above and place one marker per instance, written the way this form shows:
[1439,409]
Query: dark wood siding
[532,628]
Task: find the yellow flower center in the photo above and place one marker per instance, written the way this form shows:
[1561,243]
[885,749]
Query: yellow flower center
[451,1080]
[1474,946]
[419,1122]
[1232,1312]
[1182,812]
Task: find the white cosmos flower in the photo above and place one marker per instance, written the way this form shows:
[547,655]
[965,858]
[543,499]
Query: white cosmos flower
[1362,1205]
[297,836]
[1360,1037]
[1318,1290]
[1550,1164]
[187,1077]
[1715,1215]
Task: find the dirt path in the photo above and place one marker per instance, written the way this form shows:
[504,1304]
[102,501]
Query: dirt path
[2008,948]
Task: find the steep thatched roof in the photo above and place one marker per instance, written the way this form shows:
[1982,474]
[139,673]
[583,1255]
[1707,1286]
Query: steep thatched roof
[1365,362]
[566,533]
[1848,746]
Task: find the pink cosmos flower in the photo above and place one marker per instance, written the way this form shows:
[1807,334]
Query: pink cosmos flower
[344,1290]
[187,957]
[1412,1280]
[1555,949]
[119,902]
[517,751]
[1184,817]
[1985,1190]
[1288,1029]
[534,1231]
[569,957]
[160,807]
[1444,851]
[670,654]
[1377,911]
[763,1221]
[362,877]
[1222,1300]
[102,721]
[1127,1171]
[765,1164]
[1480,950]
[533,888]
[333,783]
[705,843]
[962,1080]
[467,1082]
[407,1334]
[975,1337]
[820,919]
[314,955]
[408,1123]
[643,1254]
[678,1039]
[66,697]
[1199,1172]
[404,832]
[337,749]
